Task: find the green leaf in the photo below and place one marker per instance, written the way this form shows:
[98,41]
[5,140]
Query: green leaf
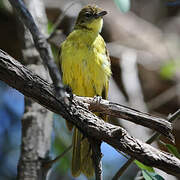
[143,167]
[172,149]
[169,69]
[151,176]
[50,27]
[123,5]
[1,4]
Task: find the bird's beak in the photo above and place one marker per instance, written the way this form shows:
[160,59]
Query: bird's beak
[102,13]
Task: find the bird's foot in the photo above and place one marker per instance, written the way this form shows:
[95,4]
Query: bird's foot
[97,99]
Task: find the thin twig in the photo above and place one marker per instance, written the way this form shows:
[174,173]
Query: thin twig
[123,168]
[154,137]
[170,118]
[48,164]
[41,45]
[60,18]
[174,116]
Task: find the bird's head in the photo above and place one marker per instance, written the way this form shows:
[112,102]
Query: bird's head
[90,18]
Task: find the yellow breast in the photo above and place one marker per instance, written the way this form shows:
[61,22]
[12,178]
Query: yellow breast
[84,63]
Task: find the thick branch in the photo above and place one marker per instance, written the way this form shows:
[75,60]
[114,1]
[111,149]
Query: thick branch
[96,156]
[31,85]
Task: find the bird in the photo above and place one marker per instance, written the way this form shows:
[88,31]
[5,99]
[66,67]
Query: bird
[85,67]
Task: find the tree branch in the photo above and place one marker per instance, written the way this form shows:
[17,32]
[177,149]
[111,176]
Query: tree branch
[31,85]
[37,120]
[96,157]
[41,45]
[113,109]
[155,136]
[60,18]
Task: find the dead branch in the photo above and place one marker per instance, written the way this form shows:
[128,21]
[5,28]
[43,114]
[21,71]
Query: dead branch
[113,109]
[154,137]
[96,157]
[33,86]
[41,45]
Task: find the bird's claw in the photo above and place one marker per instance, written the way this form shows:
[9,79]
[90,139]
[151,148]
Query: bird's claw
[97,99]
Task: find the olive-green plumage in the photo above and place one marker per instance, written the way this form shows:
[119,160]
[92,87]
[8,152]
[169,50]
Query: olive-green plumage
[85,67]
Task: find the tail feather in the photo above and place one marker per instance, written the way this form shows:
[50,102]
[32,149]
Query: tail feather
[82,156]
[86,159]
[76,157]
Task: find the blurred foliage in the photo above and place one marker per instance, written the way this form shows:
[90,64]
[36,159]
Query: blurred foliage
[2,4]
[123,5]
[55,52]
[62,139]
[172,149]
[148,172]
[50,27]
[151,176]
[143,167]
[169,69]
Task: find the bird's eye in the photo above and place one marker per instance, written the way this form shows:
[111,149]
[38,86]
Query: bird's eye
[88,15]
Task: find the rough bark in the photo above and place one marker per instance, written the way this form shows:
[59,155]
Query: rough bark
[113,109]
[31,85]
[37,120]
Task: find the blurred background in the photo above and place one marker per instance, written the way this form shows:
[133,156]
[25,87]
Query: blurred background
[143,39]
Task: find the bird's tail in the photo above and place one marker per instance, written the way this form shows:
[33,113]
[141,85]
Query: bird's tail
[82,156]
